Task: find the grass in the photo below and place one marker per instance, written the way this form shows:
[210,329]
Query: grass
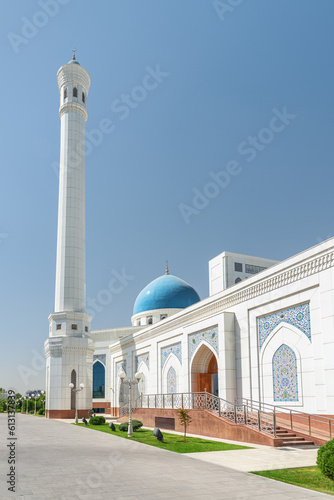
[172,442]
[307,477]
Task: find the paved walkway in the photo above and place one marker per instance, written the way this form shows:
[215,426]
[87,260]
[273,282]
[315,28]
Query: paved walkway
[63,462]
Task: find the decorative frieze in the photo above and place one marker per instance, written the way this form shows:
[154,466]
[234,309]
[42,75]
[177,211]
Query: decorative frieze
[210,335]
[298,316]
[175,349]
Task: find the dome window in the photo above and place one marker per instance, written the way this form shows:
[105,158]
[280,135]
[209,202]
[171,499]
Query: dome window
[83,97]
[163,316]
[75,92]
[237,280]
[65,93]
[149,320]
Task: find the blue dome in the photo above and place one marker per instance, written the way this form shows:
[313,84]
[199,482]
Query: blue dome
[73,61]
[166,292]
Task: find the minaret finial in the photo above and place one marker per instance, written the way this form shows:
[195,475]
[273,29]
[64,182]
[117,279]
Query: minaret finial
[74,54]
[167,270]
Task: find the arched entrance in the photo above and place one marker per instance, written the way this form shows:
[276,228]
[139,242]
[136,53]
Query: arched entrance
[204,371]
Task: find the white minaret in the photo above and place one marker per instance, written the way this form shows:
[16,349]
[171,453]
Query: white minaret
[69,348]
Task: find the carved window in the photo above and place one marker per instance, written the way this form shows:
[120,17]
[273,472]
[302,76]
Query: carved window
[59,326]
[65,93]
[75,92]
[83,97]
[171,381]
[285,380]
[98,380]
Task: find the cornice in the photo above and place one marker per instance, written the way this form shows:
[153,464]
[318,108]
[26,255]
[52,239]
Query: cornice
[74,108]
[227,299]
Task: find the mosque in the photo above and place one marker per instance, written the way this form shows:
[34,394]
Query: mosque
[265,332]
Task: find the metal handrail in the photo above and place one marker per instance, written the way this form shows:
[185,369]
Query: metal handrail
[255,414]
[291,412]
[235,413]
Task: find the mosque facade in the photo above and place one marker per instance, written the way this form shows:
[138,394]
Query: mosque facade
[265,332]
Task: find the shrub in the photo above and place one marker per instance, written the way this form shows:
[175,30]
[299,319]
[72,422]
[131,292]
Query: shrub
[41,411]
[136,424]
[97,420]
[325,459]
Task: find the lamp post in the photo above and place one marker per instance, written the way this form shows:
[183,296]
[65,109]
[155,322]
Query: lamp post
[130,382]
[27,401]
[36,396]
[71,385]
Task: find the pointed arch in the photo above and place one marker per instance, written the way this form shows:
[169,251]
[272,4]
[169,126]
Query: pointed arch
[171,381]
[99,373]
[285,378]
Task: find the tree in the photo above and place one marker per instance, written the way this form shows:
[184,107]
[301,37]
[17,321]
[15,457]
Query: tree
[185,420]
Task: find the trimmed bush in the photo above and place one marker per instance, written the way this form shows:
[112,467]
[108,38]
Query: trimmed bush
[325,459]
[41,411]
[136,424]
[97,420]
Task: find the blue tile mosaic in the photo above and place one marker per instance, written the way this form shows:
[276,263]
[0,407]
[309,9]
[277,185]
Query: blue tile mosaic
[210,336]
[298,316]
[171,381]
[119,365]
[285,380]
[145,358]
[100,357]
[175,349]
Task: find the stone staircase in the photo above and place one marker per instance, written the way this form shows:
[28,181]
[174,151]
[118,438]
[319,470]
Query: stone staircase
[291,439]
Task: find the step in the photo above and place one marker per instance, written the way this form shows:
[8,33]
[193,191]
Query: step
[297,443]
[292,438]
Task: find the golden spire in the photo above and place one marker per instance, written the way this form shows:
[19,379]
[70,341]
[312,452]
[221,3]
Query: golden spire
[73,54]
[167,270]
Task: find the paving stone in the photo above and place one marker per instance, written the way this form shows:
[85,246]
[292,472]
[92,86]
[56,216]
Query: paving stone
[57,461]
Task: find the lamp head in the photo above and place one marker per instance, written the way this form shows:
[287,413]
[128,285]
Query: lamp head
[121,374]
[71,385]
[139,376]
[82,386]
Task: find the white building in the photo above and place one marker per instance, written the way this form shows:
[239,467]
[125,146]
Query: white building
[269,337]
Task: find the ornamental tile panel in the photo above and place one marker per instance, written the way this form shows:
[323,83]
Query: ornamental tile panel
[210,336]
[145,358]
[175,349]
[298,316]
[285,381]
[119,365]
[171,381]
[100,357]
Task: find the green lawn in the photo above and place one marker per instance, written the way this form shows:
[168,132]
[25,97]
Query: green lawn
[307,477]
[172,442]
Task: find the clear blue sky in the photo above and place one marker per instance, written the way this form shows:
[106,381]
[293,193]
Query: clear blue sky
[226,74]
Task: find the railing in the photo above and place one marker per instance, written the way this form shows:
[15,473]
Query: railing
[263,417]
[290,418]
[236,413]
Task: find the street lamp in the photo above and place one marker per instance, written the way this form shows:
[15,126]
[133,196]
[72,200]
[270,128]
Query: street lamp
[27,401]
[71,385]
[36,396]
[130,382]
